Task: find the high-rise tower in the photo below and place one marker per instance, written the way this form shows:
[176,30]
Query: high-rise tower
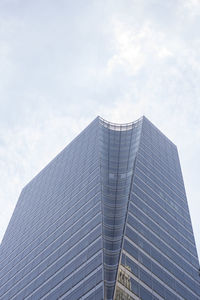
[106,219]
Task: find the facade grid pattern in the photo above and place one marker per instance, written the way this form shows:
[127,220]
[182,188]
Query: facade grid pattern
[106,219]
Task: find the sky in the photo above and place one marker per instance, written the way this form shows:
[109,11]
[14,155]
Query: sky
[64,62]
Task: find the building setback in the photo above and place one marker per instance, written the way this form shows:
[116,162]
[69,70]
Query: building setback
[107,218]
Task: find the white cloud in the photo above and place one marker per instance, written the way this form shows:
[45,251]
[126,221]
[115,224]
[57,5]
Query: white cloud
[135,46]
[192,7]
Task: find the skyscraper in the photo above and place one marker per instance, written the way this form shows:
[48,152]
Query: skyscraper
[106,219]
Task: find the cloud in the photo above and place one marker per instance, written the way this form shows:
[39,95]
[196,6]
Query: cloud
[192,7]
[134,46]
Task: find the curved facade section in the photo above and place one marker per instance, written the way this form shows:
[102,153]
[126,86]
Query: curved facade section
[118,148]
[106,219]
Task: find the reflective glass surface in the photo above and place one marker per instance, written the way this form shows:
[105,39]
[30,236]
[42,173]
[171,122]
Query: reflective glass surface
[106,219]
[53,245]
[159,255]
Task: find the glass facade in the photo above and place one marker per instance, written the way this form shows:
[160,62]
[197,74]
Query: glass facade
[158,257]
[106,219]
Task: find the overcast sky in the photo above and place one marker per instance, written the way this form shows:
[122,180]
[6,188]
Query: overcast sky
[64,62]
